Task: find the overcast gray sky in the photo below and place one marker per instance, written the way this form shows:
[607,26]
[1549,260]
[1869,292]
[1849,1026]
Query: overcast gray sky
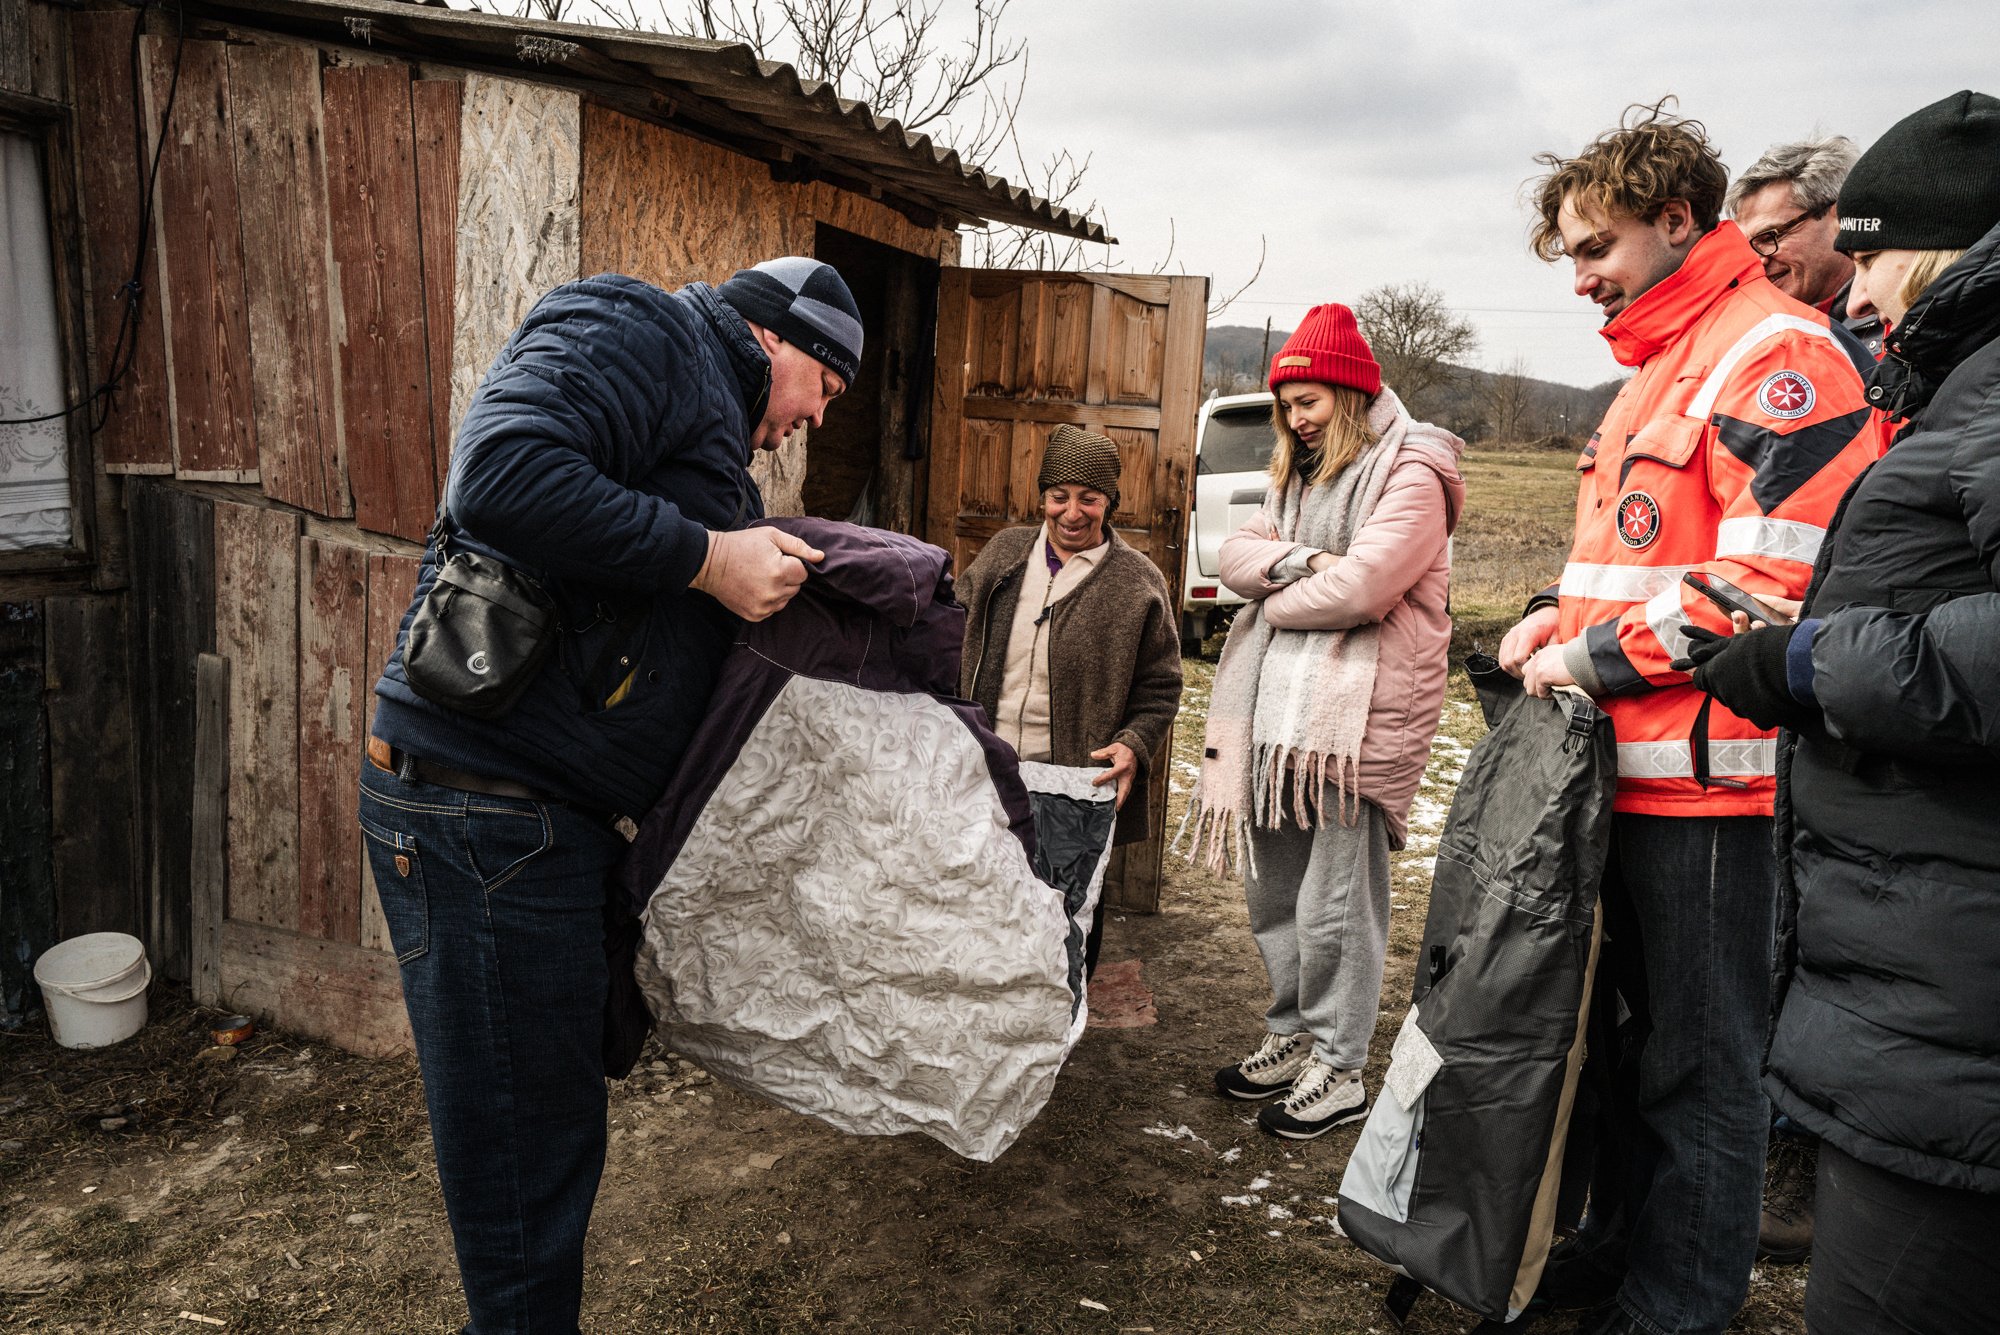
[1378,143]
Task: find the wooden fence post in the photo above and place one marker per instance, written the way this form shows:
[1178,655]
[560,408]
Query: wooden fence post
[208,860]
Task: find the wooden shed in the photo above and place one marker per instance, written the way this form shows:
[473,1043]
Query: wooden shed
[352,203]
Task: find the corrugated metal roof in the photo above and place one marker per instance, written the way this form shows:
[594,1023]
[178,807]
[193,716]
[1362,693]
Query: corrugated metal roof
[720,90]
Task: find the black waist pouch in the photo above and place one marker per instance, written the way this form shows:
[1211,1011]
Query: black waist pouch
[479,636]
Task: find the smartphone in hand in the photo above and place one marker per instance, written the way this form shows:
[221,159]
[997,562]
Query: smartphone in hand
[1732,599]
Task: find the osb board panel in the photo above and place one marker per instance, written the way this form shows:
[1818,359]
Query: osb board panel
[333,678]
[436,106]
[392,582]
[328,990]
[30,50]
[661,206]
[136,437]
[257,630]
[385,387]
[93,788]
[878,222]
[519,163]
[201,264]
[672,210]
[780,475]
[281,183]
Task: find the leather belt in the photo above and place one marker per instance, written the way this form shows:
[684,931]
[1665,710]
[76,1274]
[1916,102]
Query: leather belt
[388,759]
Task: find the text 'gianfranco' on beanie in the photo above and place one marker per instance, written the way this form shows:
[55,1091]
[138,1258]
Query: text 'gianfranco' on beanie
[1327,347]
[804,302]
[1931,182]
[1079,458]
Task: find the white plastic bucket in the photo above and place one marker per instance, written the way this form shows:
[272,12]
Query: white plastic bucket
[94,988]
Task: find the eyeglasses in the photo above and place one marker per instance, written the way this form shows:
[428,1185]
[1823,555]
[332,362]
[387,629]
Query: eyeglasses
[1766,242]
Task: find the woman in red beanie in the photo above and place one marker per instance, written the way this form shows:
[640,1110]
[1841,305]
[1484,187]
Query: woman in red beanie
[1325,703]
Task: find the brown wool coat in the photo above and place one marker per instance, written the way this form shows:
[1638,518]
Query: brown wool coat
[1114,656]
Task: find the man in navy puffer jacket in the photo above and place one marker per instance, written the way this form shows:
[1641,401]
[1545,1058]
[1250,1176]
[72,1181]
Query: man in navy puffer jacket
[606,453]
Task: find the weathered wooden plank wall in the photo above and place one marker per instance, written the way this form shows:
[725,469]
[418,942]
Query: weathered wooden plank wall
[334,677]
[256,629]
[208,845]
[93,797]
[323,989]
[437,105]
[520,162]
[377,251]
[281,182]
[173,587]
[31,55]
[137,437]
[201,259]
[27,886]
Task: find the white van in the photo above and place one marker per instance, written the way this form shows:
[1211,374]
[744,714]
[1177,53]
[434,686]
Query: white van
[1232,451]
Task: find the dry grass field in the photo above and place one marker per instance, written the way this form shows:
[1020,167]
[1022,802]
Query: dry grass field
[1511,539]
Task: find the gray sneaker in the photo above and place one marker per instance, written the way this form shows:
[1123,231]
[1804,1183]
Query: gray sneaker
[1267,1071]
[1322,1098]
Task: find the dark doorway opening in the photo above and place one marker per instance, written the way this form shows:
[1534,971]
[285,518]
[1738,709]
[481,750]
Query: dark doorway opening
[865,461]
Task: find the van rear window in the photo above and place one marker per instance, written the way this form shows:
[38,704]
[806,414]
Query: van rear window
[1238,442]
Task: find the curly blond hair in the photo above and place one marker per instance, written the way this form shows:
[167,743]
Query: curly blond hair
[1653,157]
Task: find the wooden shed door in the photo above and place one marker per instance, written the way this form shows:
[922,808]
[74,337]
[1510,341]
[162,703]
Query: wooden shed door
[1019,353]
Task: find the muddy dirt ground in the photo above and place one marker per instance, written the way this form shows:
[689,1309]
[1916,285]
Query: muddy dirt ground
[168,1185]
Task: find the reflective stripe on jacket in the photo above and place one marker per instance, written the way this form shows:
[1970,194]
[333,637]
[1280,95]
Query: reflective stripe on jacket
[1726,452]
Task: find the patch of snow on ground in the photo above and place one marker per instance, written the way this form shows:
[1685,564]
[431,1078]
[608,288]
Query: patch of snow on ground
[1427,814]
[1182,1132]
[1276,1212]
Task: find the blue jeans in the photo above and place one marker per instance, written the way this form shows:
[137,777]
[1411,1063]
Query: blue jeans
[495,906]
[1690,908]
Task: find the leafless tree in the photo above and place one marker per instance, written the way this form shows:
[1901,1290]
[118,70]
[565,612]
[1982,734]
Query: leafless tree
[1510,405]
[1416,337]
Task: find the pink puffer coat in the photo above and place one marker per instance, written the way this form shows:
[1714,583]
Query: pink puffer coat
[1398,573]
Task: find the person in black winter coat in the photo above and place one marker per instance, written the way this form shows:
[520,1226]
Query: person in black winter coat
[606,456]
[1887,1045]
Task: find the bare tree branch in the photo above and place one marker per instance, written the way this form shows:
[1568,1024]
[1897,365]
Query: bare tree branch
[1417,339]
[1255,274]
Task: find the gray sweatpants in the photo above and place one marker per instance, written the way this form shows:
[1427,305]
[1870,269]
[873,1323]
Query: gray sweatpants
[1319,909]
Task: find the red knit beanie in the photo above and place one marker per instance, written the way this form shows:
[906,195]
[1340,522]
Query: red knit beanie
[1327,347]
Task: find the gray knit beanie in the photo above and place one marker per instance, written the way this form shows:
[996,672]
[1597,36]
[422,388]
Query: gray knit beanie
[804,302]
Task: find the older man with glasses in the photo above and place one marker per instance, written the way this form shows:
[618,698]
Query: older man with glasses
[1785,205]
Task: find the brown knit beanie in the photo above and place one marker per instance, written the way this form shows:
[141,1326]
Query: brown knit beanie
[1079,458]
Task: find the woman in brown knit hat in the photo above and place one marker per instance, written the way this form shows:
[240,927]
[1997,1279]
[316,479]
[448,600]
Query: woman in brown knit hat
[1070,639]
[1325,702]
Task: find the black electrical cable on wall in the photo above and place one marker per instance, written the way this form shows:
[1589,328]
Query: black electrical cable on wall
[125,346]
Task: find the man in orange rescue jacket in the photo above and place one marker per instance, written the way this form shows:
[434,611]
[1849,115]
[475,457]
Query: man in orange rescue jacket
[1725,453]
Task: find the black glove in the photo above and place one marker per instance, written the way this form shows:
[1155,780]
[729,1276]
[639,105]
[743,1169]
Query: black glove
[1746,672]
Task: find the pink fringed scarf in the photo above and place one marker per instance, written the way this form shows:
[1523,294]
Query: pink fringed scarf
[1295,700]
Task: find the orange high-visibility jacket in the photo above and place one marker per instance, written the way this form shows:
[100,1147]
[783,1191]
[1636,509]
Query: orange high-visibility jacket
[1726,452]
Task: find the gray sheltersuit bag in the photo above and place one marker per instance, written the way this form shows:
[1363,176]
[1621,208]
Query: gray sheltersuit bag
[1455,1177]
